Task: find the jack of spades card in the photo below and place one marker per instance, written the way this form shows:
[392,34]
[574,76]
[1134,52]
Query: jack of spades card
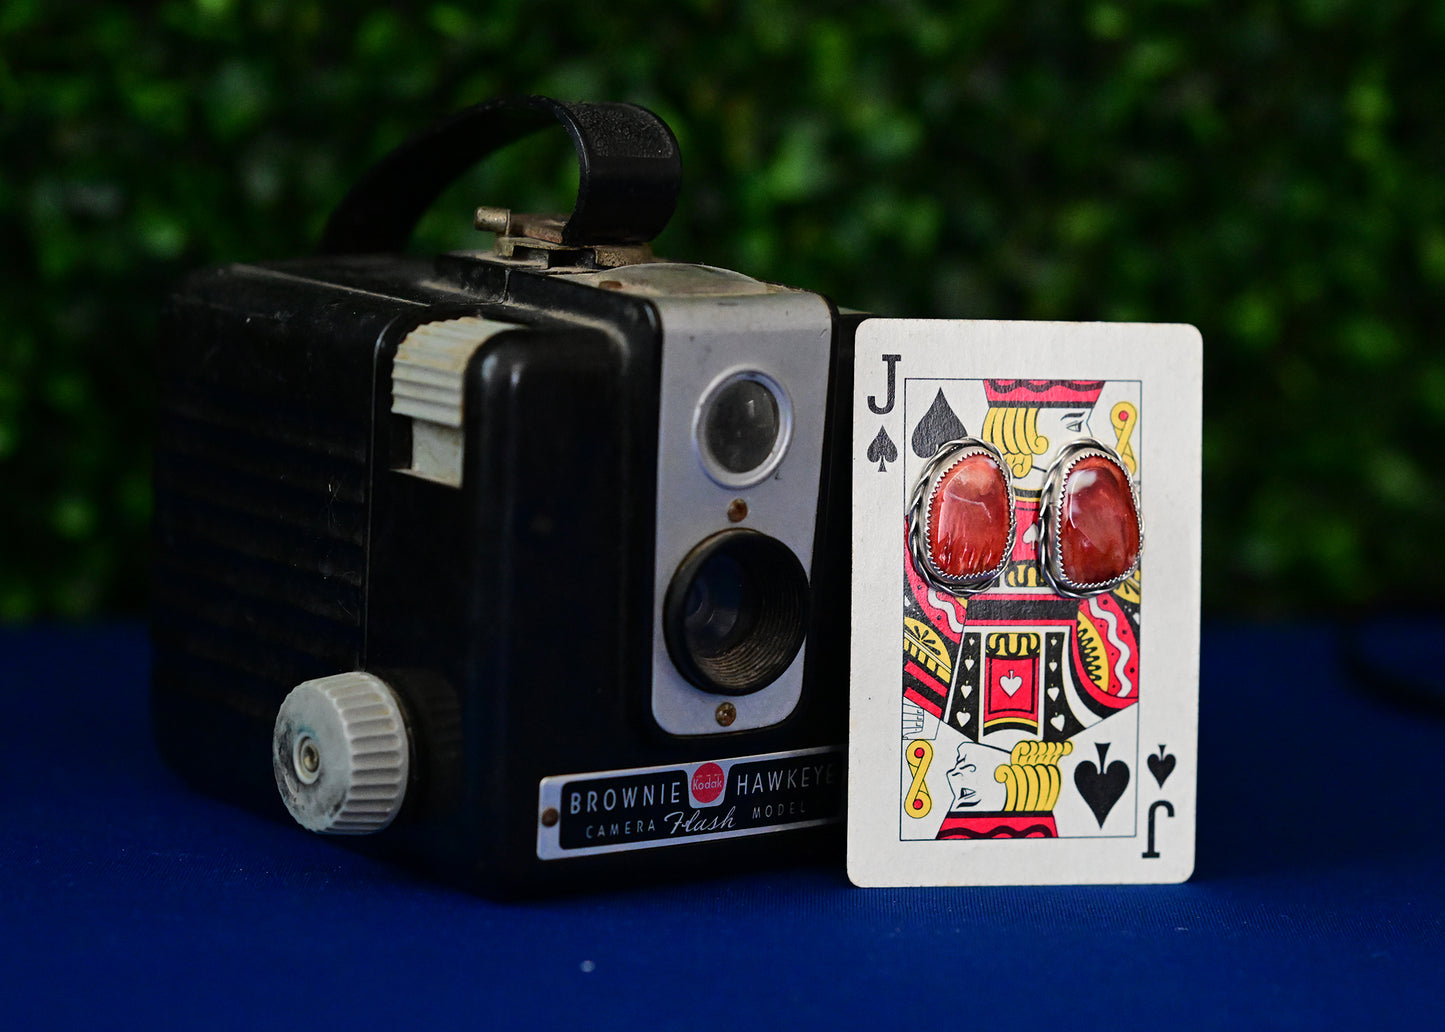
[1024,711]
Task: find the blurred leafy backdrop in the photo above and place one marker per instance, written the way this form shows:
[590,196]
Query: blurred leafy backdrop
[1269,171]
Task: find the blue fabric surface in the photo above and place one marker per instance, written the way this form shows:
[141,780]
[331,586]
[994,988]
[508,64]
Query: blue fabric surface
[128,900]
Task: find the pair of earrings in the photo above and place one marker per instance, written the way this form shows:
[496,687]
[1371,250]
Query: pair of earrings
[962,528]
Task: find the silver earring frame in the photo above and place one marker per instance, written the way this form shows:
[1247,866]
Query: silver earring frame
[920,506]
[1051,518]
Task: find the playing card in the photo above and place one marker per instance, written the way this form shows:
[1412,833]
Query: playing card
[1038,723]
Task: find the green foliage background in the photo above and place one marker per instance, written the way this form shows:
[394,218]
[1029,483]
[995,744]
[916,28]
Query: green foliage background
[1269,171]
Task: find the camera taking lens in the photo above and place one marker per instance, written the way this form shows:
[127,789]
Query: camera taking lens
[736,612]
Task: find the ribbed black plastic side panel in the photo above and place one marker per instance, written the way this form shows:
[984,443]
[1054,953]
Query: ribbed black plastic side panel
[261,582]
[266,531]
[261,483]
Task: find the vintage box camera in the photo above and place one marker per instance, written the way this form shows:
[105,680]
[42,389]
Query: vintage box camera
[529,568]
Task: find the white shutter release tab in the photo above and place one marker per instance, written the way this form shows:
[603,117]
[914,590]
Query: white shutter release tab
[341,754]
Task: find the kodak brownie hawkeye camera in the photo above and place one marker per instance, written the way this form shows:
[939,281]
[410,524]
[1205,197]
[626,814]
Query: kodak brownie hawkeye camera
[527,569]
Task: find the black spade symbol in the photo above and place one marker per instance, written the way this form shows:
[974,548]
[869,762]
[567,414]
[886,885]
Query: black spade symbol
[1161,766]
[938,426]
[1101,790]
[882,450]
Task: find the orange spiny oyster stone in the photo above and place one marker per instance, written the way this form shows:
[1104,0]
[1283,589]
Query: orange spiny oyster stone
[1099,529]
[968,518]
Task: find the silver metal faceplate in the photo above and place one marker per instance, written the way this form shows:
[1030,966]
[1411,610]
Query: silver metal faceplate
[708,335]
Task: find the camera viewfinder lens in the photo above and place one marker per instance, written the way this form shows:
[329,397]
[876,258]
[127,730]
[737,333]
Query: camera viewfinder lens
[741,425]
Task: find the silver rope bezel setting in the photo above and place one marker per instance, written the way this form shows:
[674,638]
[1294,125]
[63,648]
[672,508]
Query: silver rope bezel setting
[920,506]
[1051,518]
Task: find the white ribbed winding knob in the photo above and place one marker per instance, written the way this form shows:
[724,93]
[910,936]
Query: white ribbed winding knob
[341,754]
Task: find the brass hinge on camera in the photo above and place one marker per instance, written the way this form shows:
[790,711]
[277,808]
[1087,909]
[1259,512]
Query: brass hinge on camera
[536,241]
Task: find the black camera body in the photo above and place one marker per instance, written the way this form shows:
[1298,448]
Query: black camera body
[526,569]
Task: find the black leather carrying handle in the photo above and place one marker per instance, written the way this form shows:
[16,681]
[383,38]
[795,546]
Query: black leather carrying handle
[630,171]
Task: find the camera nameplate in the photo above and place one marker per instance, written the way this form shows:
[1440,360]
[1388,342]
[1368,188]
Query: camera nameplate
[613,811]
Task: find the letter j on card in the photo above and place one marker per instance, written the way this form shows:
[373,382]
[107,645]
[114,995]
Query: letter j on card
[1025,621]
